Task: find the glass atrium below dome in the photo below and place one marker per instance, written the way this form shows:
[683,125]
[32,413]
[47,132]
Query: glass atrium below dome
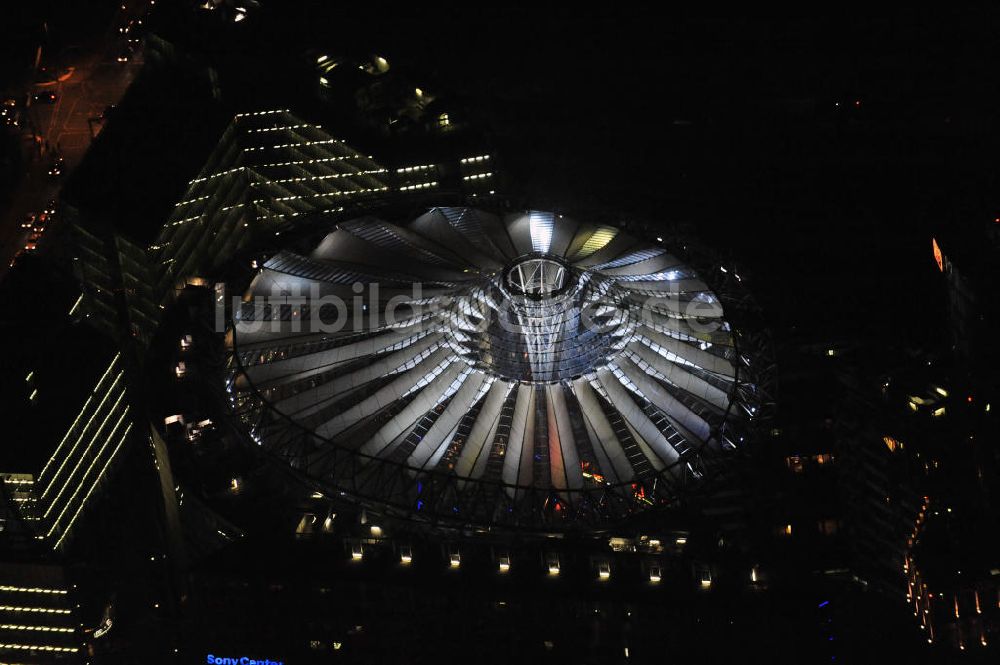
[532,369]
[540,320]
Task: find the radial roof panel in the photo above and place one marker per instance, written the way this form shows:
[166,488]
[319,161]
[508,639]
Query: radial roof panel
[539,388]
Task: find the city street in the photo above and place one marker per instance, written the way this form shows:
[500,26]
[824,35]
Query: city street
[68,126]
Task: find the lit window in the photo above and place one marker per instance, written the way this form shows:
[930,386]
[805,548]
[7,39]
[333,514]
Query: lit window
[795,463]
[305,524]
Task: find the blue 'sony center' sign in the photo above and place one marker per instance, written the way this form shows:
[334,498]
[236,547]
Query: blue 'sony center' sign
[241,660]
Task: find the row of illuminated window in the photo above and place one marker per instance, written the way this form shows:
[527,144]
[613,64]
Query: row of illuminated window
[416,169]
[553,565]
[291,145]
[419,185]
[40,629]
[35,610]
[295,162]
[328,176]
[260,113]
[295,197]
[38,647]
[285,127]
[42,590]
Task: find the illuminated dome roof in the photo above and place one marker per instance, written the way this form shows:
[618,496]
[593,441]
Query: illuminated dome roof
[523,370]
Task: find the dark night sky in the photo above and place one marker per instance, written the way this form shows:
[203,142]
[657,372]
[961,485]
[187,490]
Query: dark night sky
[731,123]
